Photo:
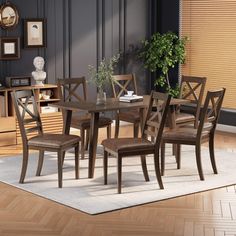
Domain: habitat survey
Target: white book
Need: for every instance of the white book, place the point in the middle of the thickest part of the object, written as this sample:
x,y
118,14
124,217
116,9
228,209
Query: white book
x,y
133,98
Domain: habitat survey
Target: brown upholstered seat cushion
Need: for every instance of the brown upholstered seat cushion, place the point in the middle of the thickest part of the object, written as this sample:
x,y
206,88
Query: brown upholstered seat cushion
x,y
83,121
127,144
183,134
53,140
182,117
131,116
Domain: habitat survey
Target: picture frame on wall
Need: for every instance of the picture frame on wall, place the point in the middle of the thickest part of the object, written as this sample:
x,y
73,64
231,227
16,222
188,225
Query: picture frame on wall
x,y
9,48
34,33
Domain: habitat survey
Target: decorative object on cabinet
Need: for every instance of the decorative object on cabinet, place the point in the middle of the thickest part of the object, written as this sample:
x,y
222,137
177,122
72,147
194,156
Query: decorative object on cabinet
x,y
39,74
34,33
17,81
9,48
9,16
9,127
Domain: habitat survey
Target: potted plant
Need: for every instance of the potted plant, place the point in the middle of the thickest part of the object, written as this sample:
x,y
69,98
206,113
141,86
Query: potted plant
x,y
161,53
102,75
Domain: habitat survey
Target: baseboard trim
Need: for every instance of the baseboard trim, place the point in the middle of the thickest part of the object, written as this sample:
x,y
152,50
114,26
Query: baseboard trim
x,y
226,128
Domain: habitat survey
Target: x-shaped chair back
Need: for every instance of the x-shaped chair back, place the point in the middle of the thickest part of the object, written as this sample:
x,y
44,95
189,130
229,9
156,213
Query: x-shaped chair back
x,y
192,88
211,110
27,113
156,116
122,83
70,87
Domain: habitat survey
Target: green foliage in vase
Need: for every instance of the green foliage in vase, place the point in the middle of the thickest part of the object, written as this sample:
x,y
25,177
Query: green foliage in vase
x,y
161,53
102,75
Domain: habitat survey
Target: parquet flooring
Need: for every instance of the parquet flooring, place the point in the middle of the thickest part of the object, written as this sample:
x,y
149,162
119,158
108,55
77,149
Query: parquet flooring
x,y
211,213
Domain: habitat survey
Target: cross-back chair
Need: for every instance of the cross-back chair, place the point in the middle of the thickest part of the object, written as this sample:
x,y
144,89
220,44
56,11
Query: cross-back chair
x,y
190,136
149,143
120,85
69,91
191,88
30,123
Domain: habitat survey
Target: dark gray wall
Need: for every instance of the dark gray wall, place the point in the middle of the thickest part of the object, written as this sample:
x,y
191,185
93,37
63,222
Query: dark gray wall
x,y
79,33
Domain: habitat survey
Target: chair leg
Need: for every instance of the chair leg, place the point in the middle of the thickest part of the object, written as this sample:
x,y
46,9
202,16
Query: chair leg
x,y
40,162
136,130
77,161
157,169
105,160
59,167
198,160
163,148
212,154
119,172
117,127
109,131
178,155
87,139
82,135
144,167
24,164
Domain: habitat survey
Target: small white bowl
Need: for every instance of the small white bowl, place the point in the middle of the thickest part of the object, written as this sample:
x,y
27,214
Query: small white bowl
x,y
130,93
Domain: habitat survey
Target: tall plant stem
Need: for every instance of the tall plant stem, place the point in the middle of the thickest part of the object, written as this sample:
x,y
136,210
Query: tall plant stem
x,y
167,80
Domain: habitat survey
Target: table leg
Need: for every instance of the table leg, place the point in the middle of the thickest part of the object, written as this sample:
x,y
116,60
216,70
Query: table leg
x,y
93,138
67,121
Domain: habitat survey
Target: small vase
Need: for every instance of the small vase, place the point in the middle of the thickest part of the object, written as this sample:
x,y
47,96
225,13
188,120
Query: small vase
x,y
101,97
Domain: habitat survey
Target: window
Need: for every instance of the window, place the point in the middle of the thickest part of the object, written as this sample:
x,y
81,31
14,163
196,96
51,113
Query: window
x,y
211,50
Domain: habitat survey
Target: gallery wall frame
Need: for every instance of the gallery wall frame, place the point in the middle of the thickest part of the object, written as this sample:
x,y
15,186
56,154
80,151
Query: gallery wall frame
x,y
34,33
9,48
9,16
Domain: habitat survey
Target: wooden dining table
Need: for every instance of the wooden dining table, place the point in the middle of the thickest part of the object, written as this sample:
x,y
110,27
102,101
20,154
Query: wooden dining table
x,y
111,104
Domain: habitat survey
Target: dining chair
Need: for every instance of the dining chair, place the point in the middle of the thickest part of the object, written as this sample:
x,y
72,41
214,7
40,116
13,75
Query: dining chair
x,y
205,132
120,85
191,88
148,143
30,124
74,89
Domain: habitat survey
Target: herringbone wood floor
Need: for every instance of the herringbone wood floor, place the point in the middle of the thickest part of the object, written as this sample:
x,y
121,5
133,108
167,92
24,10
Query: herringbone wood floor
x,y
211,213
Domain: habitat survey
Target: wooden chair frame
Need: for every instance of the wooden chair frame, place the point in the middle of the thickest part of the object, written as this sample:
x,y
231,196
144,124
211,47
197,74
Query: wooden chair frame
x,y
195,90
141,146
68,92
120,85
30,122
205,132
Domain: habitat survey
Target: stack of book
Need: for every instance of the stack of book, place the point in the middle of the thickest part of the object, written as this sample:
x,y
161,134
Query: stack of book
x,y
133,98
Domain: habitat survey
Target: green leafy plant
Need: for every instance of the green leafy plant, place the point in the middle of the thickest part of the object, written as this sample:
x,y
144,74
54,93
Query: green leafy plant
x,y
102,75
161,53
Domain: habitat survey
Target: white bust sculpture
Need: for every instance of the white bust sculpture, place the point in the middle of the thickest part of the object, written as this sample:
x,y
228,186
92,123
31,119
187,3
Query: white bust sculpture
x,y
39,74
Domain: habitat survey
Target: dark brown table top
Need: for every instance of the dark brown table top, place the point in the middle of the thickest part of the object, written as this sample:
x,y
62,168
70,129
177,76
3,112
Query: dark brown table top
x,y
110,105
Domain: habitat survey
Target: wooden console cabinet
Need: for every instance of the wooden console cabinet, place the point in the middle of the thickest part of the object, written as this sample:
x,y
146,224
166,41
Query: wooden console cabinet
x,y
51,118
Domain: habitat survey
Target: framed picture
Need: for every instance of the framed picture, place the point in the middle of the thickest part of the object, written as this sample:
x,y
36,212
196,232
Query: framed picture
x,y
34,33
9,48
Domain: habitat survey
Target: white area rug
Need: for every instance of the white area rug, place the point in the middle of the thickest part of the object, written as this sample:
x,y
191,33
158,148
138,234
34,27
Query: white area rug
x,y
91,196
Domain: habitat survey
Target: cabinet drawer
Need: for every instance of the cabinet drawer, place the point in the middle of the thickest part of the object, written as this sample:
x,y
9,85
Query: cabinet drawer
x,y
7,138
7,124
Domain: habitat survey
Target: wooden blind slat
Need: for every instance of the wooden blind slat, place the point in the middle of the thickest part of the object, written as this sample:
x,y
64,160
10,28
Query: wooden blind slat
x,y
211,50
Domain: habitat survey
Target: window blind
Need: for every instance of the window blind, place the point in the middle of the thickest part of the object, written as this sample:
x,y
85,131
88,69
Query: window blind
x,y
210,26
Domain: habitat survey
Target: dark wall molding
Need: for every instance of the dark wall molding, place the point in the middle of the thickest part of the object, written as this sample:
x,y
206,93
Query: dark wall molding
x,y
80,33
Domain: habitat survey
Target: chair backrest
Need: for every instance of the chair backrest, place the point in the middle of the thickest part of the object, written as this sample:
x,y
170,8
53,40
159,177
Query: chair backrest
x,y
27,113
192,88
210,111
156,116
122,83
68,89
